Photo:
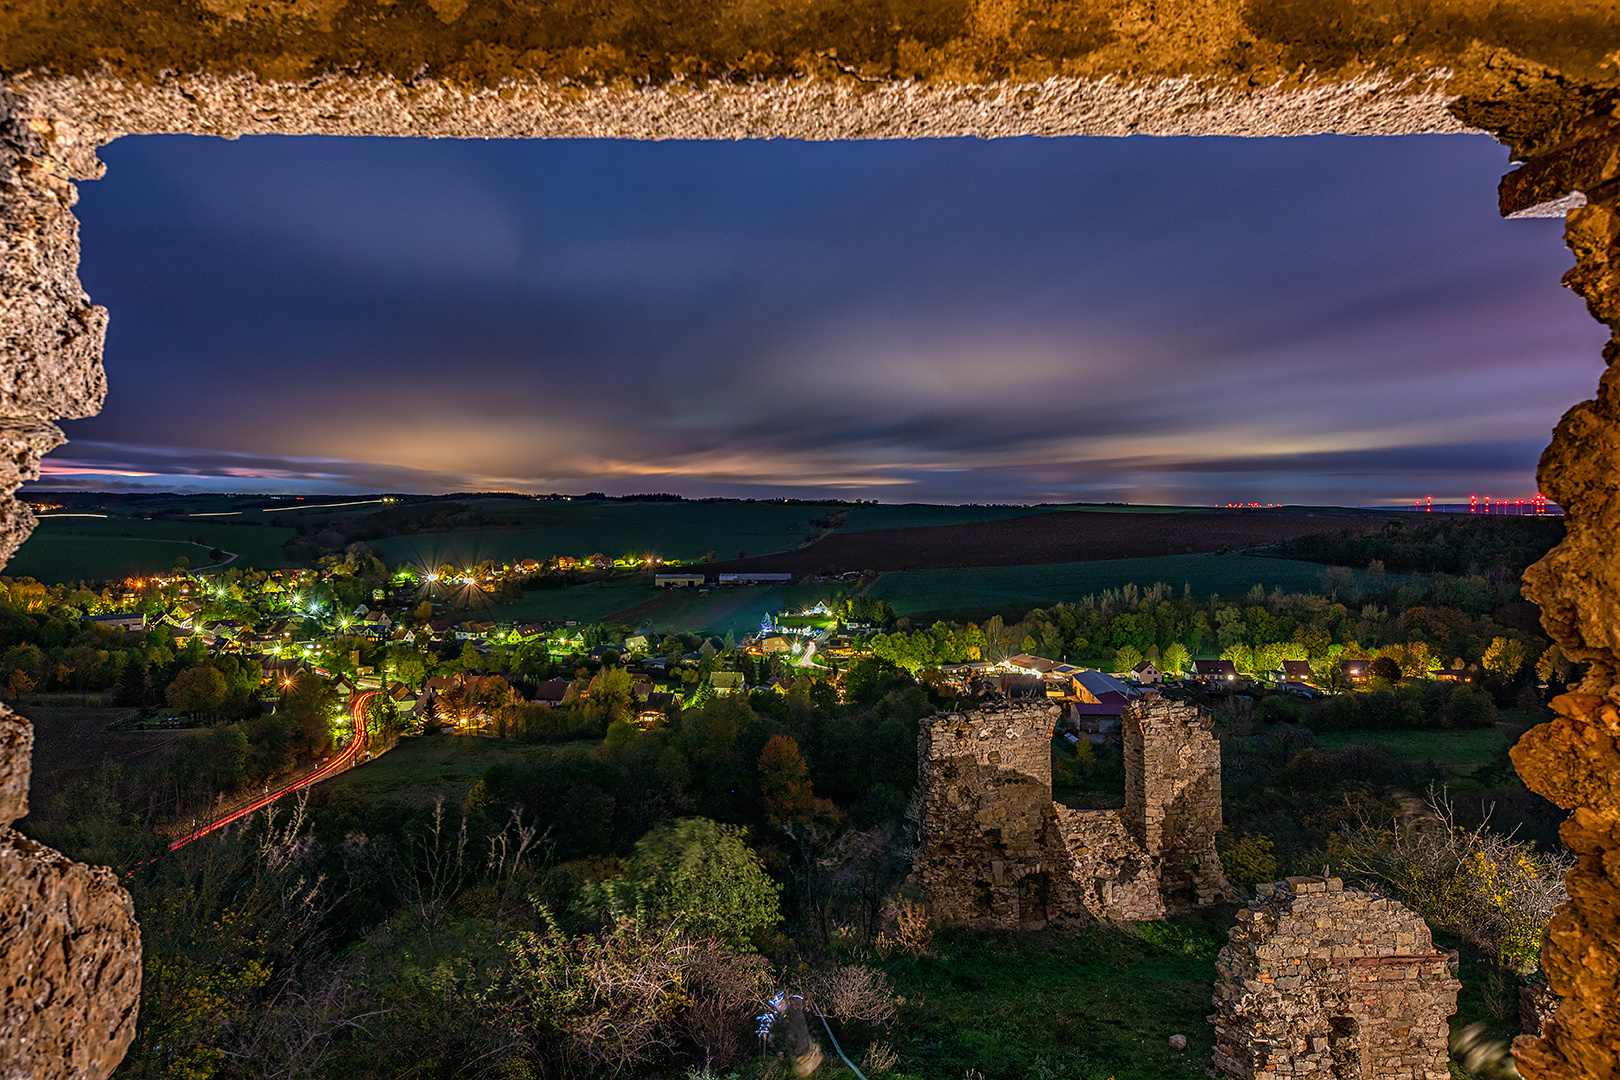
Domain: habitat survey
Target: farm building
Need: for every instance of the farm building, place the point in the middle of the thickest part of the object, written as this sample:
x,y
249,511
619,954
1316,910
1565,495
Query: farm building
x,y
131,622
677,581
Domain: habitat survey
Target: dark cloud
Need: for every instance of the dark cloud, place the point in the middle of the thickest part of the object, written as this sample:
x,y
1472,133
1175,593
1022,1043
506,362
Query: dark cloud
x,y
1199,320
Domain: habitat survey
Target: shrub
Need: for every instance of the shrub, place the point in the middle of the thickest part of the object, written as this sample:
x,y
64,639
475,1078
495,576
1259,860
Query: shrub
x,y
610,1004
1248,860
695,875
1492,891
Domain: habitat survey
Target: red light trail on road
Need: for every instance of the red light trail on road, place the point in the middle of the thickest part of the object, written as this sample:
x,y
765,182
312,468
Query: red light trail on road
x,y
357,709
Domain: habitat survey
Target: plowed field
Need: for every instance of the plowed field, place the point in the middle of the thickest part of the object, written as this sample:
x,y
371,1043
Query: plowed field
x,y
1070,536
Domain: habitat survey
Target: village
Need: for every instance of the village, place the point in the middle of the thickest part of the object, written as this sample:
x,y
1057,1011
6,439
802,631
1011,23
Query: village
x,y
430,641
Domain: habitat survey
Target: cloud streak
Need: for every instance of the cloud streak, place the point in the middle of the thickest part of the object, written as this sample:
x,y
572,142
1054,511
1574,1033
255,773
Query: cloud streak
x,y
1317,320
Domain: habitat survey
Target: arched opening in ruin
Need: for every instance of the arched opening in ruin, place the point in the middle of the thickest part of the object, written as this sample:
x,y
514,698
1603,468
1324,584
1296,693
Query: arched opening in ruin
x,y
1344,1047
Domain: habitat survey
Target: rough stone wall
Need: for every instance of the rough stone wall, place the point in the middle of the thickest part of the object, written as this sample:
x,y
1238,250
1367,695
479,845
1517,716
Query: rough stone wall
x,y
1571,151
1326,982
995,850
70,951
1173,799
1113,878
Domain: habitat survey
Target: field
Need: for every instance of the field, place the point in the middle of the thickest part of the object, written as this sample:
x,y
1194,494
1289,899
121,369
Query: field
x,y
102,549
634,602
979,592
683,530
1459,753
421,769
1064,536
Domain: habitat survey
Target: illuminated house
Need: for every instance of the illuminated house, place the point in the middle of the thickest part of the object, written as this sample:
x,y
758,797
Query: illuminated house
x,y
1294,671
1213,672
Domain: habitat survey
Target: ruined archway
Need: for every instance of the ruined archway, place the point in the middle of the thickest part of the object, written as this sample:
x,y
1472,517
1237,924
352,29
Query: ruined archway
x,y
1541,75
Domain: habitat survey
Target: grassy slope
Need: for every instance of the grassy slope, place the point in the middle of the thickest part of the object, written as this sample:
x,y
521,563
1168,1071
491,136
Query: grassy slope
x,y
1089,1003
421,769
71,549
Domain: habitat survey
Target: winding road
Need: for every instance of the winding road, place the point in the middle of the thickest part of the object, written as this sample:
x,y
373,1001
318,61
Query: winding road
x,y
349,755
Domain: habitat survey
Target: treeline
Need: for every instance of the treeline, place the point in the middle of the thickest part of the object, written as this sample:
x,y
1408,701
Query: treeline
x,y
1450,545
1419,626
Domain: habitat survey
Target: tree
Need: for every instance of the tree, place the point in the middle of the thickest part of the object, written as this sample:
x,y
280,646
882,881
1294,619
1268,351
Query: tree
x,y
695,875
785,792
1386,668
1242,657
1126,658
1176,658
198,690
1552,665
1504,657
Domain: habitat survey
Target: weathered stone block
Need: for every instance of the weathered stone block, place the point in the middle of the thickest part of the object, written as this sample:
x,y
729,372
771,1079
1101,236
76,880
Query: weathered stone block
x,y
71,952
16,744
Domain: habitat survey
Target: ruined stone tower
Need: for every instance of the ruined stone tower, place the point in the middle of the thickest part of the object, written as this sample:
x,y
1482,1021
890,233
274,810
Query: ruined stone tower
x,y
1330,983
1173,799
995,850
988,827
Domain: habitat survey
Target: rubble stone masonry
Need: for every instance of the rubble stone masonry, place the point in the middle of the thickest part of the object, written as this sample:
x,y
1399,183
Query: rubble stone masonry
x,y
1326,982
996,850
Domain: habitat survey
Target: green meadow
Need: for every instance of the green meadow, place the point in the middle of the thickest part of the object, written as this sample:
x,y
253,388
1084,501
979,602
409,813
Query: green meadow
x,y
100,549
635,602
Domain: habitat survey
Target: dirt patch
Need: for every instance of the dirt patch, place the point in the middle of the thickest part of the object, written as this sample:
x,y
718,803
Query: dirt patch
x,y
1076,536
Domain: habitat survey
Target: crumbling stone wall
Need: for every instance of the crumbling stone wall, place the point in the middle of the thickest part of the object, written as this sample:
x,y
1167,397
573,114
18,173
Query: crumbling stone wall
x,y
1326,982
995,850
1173,799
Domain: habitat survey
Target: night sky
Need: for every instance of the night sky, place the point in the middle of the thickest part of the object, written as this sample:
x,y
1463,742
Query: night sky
x,y
1322,320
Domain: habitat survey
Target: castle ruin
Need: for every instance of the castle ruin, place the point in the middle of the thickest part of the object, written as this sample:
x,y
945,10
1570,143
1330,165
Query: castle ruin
x,y
995,850
1330,983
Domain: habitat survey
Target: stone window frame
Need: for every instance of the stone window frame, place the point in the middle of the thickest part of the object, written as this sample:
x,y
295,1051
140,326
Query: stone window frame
x,y
1542,82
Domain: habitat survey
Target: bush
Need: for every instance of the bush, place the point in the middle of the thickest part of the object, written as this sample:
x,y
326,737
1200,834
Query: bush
x,y
1492,891
1469,707
695,875
612,1004
1248,860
